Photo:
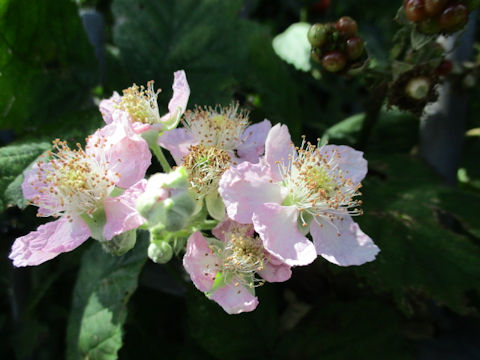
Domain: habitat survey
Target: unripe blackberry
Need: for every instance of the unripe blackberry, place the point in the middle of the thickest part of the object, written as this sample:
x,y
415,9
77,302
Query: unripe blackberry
x,y
317,35
354,48
444,68
346,26
414,10
435,7
334,61
454,17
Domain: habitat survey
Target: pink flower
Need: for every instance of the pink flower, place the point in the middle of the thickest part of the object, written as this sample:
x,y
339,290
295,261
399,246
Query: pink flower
x,y
141,106
295,191
74,185
211,140
225,268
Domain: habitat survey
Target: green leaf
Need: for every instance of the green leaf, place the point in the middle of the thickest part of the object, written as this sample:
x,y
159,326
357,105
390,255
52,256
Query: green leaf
x,y
205,38
337,329
14,159
292,46
465,205
420,258
105,284
43,76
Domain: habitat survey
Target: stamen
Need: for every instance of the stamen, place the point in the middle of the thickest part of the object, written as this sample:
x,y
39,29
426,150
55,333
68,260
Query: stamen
x,y
141,103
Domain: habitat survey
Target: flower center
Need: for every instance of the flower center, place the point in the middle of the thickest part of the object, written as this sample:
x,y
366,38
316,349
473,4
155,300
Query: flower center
x,y
141,103
243,256
316,184
205,166
71,182
222,127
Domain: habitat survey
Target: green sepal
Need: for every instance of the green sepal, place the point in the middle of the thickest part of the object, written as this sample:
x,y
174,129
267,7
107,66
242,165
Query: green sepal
x,y
116,192
96,222
215,206
307,218
120,244
221,280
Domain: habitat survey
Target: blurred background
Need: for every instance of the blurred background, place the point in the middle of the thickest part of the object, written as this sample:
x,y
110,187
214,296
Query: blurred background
x,y
418,300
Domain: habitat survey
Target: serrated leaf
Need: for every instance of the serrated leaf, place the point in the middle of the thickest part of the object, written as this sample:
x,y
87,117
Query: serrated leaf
x,y
104,285
14,159
465,205
292,46
157,38
420,258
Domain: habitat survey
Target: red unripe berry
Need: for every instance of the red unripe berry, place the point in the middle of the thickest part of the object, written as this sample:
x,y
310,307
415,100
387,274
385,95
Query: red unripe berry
x,y
435,7
321,6
334,61
444,68
346,26
454,17
354,48
414,10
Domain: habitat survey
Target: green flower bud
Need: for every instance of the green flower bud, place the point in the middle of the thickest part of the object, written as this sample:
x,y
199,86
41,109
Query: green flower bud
x,y
166,201
160,252
120,244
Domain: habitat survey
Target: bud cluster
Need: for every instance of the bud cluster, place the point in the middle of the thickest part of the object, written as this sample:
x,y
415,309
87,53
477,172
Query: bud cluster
x,y
337,46
437,16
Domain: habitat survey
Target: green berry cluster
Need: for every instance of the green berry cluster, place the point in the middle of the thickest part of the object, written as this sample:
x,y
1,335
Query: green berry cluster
x,y
436,16
336,46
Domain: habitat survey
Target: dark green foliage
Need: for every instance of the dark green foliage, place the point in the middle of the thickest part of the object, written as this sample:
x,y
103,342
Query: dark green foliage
x,y
99,308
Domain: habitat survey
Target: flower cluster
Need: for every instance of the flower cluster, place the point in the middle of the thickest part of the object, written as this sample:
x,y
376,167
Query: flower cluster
x,y
243,203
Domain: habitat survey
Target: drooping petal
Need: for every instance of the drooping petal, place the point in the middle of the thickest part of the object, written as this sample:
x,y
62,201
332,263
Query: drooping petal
x,y
121,212
179,100
244,188
108,106
235,299
278,147
178,142
200,262
342,242
126,152
350,161
253,141
275,270
277,226
229,226
48,241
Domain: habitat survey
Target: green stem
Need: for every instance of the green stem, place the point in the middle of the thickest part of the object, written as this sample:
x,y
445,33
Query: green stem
x,y
157,151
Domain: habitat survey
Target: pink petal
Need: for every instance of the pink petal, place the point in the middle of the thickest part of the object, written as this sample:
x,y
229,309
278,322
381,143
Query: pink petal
x,y
351,161
253,141
121,212
275,270
229,226
48,241
246,187
277,226
235,299
48,204
278,147
200,262
126,152
181,93
178,142
107,107
352,247
139,127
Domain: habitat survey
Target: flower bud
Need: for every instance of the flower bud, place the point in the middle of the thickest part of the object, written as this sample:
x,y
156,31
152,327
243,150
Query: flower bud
x,y
160,252
166,201
418,88
120,244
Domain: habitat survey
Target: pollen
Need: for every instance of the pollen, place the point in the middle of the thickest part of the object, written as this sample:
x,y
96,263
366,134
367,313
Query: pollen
x,y
221,127
141,103
205,166
70,182
316,184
